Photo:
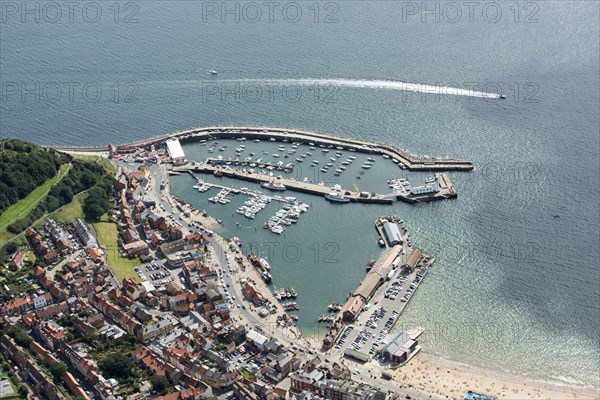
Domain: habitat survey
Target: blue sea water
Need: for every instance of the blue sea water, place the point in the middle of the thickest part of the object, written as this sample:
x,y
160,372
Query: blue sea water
x,y
516,283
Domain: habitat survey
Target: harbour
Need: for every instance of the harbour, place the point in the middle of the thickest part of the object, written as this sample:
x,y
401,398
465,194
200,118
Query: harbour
x,y
388,286
496,239
274,177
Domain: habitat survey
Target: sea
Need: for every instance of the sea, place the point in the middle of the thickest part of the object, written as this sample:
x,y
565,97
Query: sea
x,y
516,284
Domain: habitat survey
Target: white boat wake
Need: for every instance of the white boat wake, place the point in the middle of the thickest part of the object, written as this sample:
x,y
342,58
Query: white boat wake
x,y
371,84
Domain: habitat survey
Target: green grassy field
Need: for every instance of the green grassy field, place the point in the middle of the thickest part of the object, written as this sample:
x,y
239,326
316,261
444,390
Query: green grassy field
x,y
107,237
69,212
23,206
105,163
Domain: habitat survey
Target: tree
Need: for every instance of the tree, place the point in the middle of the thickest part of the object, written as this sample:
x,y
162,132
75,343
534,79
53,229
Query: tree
x,y
40,359
116,365
159,383
11,247
93,210
96,204
22,389
57,369
19,333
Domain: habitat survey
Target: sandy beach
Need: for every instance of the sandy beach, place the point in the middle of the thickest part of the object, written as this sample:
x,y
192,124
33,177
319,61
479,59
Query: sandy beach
x,y
453,380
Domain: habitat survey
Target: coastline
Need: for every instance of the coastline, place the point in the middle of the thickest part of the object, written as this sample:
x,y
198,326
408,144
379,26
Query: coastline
x,y
453,379
443,377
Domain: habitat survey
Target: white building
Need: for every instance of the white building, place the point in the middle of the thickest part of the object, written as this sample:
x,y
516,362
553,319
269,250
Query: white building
x,y
434,188
392,232
175,151
258,339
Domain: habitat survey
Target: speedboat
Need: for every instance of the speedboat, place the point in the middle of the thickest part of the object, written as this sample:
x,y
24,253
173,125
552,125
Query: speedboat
x,y
212,72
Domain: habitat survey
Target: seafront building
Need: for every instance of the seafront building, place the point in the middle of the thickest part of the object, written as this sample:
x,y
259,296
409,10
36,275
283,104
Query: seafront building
x,y
177,317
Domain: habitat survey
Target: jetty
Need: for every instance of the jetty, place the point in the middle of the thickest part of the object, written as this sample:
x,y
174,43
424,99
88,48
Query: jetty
x,y
292,184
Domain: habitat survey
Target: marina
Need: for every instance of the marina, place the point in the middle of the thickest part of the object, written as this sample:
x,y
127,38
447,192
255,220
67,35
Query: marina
x,y
276,175
289,183
264,173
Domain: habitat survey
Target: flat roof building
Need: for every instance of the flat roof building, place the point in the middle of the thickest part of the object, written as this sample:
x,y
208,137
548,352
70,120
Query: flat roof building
x,y
175,150
392,233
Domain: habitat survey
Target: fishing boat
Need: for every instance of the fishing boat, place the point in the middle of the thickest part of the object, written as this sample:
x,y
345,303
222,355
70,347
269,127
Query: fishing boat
x,y
336,198
265,264
260,267
274,186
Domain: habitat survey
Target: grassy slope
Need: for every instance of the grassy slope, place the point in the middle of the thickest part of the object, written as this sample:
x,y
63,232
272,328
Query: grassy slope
x,y
107,237
23,206
69,212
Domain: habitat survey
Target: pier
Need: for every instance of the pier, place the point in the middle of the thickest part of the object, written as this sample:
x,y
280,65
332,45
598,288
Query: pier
x,y
287,167
291,184
400,264
412,162
446,191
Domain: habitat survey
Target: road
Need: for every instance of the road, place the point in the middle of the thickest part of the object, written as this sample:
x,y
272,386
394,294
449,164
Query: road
x,y
230,273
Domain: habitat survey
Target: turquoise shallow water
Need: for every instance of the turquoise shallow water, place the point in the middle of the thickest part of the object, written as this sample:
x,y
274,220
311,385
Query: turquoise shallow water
x,y
513,288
